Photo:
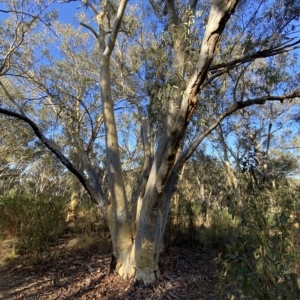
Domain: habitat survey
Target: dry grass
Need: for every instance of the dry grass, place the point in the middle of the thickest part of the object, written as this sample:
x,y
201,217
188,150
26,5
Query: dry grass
x,y
8,252
87,243
78,242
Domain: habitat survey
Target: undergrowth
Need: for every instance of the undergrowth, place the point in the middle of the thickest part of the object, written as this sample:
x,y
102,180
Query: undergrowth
x,y
32,224
256,239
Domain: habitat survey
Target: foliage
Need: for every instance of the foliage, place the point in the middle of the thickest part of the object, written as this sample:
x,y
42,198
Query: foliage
x,y
182,224
254,230
264,260
35,223
89,231
89,220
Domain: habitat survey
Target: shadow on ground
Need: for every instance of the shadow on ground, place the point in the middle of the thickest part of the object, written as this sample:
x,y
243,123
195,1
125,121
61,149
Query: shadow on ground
x,y
186,274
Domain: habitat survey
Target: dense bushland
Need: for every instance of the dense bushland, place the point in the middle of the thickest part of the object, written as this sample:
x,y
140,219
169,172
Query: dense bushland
x,y
31,224
255,238
256,241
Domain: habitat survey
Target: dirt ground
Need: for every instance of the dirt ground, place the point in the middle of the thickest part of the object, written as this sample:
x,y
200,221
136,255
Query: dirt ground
x,y
185,274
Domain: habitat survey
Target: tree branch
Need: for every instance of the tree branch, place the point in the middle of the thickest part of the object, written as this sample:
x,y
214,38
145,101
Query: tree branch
x,y
172,13
98,199
173,178
170,142
11,99
116,27
34,17
259,54
192,5
90,28
236,106
94,134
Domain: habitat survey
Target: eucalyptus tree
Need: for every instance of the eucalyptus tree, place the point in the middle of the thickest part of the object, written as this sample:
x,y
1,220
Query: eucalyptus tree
x,y
14,154
176,67
69,83
249,141
16,43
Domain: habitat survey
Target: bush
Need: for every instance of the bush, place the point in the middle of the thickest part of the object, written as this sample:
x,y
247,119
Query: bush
x,y
222,229
263,262
183,221
89,220
193,222
35,223
90,229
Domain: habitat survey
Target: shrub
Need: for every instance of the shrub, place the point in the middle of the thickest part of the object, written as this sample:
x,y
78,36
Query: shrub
x,y
36,223
89,220
263,262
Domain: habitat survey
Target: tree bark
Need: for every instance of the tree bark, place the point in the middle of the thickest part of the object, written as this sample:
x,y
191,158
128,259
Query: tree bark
x,y
138,256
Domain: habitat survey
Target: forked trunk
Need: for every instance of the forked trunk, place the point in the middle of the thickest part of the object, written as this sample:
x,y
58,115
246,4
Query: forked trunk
x,y
136,255
137,239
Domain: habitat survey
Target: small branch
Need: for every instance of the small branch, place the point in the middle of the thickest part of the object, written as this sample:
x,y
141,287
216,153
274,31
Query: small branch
x,y
214,76
259,54
34,17
291,148
20,36
116,27
46,142
11,99
94,134
86,110
90,28
192,5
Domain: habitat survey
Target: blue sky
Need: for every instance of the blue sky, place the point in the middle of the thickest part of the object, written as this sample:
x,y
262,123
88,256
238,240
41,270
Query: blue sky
x,y
67,11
